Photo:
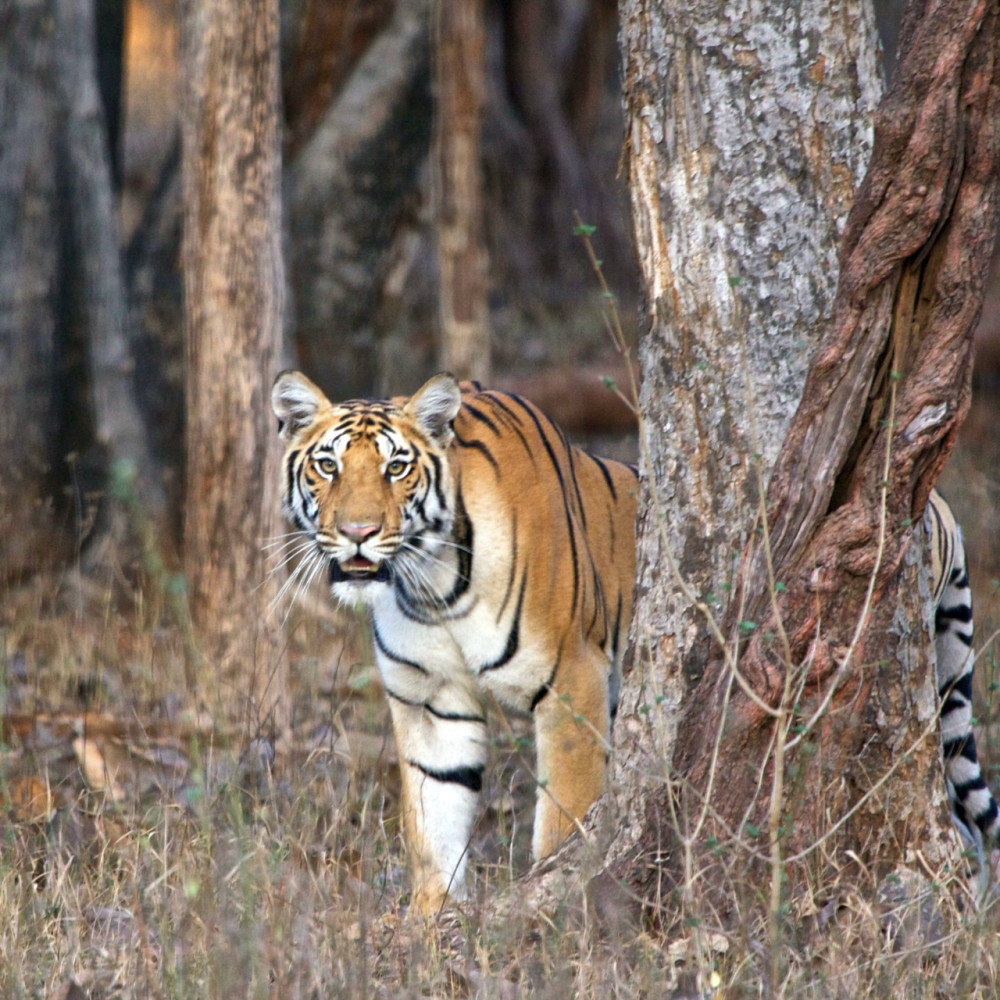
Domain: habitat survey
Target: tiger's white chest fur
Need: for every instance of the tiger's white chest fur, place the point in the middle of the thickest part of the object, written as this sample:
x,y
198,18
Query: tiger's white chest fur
x,y
484,634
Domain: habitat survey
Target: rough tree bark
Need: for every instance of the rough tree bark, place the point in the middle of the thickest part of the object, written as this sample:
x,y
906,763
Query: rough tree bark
x,y
891,377
746,138
234,291
457,190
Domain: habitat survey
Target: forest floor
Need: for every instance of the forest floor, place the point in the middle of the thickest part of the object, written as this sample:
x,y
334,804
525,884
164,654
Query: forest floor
x,y
153,846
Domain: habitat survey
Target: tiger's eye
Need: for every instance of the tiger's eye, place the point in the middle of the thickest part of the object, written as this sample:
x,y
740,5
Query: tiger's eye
x,y
327,466
396,467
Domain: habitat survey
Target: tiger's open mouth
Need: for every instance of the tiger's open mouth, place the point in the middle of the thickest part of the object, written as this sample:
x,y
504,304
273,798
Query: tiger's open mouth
x,y
358,569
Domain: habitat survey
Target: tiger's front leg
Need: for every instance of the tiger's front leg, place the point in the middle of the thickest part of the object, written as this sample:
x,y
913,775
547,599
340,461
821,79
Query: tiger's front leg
x,y
441,739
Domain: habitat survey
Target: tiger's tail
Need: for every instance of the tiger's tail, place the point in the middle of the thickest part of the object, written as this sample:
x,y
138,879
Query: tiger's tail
x,y
972,804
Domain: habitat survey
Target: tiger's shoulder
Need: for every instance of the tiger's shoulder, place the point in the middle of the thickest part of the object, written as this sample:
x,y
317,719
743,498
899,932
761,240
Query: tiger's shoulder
x,y
519,446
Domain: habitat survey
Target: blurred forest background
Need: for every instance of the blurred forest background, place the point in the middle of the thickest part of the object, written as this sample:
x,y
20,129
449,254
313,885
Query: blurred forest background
x,y
361,223
99,701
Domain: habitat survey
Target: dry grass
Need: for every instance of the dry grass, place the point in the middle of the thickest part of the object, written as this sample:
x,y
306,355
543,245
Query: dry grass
x,y
150,848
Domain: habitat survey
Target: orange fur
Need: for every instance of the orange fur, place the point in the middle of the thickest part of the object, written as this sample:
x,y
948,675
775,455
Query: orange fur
x,y
502,559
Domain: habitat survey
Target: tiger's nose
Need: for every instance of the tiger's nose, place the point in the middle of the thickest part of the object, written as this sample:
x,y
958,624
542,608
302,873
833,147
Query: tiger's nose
x,y
357,533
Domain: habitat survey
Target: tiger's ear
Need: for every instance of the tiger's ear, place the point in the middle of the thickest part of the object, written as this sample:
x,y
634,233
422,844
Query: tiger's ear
x,y
295,401
434,406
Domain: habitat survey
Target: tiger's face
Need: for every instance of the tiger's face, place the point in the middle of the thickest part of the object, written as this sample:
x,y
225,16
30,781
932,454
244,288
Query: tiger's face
x,y
368,482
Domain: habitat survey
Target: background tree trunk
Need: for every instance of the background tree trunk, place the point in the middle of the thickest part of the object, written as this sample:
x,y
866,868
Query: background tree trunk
x,y
891,377
462,263
349,188
31,534
119,430
65,368
234,290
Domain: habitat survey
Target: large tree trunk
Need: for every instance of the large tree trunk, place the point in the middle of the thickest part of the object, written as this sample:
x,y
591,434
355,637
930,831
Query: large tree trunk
x,y
796,743
745,141
462,282
884,398
234,291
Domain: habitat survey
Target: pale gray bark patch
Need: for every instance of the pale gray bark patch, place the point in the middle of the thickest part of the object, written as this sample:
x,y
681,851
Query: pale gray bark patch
x,y
760,117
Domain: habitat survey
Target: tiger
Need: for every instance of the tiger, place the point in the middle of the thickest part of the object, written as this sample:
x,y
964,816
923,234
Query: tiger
x,y
973,807
495,559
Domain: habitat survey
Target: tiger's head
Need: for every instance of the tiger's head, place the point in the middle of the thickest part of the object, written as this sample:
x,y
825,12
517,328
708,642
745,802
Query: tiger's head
x,y
368,482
